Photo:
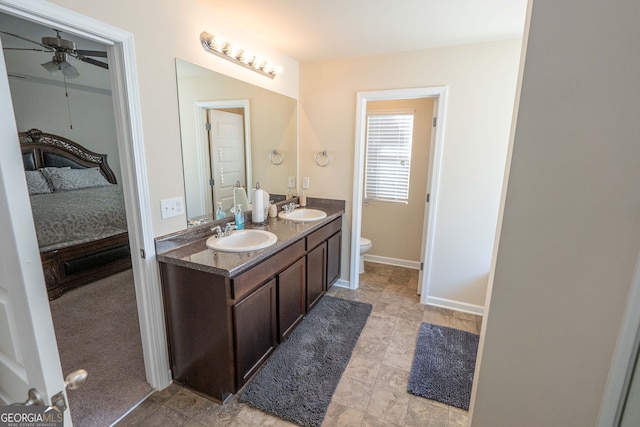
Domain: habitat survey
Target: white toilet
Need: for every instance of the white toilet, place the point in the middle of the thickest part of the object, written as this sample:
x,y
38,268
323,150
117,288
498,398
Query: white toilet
x,y
365,245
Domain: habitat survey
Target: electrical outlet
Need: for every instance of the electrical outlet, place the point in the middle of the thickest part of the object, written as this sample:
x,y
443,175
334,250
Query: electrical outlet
x,y
172,207
305,183
292,182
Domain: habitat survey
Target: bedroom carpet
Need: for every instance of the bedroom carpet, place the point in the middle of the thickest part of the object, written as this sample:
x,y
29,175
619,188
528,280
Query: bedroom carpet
x,y
298,381
443,365
97,329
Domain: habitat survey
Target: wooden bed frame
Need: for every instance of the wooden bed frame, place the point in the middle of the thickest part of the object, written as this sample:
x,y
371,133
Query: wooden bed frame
x,y
77,265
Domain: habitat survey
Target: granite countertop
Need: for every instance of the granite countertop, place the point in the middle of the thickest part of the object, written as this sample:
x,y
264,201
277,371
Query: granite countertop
x,y
188,248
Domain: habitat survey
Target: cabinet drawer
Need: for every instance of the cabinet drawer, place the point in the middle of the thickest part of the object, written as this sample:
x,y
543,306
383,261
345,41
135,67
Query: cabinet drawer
x,y
317,237
249,280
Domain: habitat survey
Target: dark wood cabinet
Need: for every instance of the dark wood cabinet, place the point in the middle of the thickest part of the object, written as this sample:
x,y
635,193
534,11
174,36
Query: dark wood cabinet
x,y
291,298
221,329
316,274
199,331
334,252
255,330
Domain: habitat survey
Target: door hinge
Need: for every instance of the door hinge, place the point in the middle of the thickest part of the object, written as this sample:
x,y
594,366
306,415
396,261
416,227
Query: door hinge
x,y
143,255
422,266
428,197
207,126
212,182
435,121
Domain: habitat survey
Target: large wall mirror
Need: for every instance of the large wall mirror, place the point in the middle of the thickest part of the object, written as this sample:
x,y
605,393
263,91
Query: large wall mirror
x,y
232,131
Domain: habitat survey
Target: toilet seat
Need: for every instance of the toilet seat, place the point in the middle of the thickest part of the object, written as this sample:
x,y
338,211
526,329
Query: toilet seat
x,y
364,241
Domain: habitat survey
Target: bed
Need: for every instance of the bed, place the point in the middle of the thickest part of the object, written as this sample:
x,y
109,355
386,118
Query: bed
x,y
78,211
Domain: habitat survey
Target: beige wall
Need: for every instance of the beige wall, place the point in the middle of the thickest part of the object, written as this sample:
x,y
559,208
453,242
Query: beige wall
x,y
163,31
481,79
396,228
570,234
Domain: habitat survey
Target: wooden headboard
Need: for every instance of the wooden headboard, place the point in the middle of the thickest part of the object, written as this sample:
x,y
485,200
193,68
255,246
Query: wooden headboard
x,y
41,150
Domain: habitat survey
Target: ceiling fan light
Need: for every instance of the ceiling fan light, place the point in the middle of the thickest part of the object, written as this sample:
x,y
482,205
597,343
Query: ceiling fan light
x,y
51,67
68,70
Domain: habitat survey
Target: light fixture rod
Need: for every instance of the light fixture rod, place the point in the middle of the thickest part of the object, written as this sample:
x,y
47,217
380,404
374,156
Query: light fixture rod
x,y
207,41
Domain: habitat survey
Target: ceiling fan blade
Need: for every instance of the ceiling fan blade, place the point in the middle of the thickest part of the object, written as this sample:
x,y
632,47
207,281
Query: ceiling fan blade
x,y
26,39
26,48
94,62
97,53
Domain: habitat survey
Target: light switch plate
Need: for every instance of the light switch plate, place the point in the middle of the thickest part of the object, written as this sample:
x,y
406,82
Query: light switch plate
x,y
305,183
292,181
172,207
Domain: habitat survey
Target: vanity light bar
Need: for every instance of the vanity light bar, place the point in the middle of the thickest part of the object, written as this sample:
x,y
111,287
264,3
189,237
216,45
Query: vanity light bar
x,y
218,46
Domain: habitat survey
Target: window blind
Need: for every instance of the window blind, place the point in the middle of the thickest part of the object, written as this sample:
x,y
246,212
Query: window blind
x,y
388,155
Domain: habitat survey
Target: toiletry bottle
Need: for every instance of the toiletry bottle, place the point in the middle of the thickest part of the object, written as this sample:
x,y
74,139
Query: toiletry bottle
x,y
289,193
220,211
273,209
303,199
239,218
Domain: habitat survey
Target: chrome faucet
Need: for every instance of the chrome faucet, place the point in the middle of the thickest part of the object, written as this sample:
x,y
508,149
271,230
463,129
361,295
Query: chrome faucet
x,y
220,232
289,207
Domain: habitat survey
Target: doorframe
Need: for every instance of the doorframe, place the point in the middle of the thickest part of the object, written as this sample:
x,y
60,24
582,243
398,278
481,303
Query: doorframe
x,y
128,119
623,360
433,175
202,140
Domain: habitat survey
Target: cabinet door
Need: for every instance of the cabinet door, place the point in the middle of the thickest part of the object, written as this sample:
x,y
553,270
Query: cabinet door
x,y
255,320
316,274
291,298
334,248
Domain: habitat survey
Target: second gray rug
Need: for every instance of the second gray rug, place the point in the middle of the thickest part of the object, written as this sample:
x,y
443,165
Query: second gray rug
x,y
443,365
298,381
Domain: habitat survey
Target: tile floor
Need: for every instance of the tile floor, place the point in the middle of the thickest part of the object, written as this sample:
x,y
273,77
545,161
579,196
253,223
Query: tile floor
x,y
372,391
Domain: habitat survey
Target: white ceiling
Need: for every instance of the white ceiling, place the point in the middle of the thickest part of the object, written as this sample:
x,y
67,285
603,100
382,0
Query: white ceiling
x,y
311,30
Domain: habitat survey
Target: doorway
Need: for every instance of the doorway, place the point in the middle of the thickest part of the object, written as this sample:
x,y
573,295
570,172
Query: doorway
x,y
203,201
439,95
121,54
84,318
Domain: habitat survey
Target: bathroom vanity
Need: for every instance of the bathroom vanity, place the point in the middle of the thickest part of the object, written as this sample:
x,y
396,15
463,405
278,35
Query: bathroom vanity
x,y
227,312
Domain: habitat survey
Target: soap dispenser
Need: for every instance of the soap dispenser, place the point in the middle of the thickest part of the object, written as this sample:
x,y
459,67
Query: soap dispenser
x,y
219,211
237,211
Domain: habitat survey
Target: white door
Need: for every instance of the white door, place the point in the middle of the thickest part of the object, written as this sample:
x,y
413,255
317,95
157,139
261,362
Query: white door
x,y
28,350
226,148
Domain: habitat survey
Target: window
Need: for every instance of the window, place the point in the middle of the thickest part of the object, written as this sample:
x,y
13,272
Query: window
x,y
388,155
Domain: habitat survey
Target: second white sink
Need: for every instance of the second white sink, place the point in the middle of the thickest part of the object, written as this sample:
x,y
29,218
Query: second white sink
x,y
303,215
242,241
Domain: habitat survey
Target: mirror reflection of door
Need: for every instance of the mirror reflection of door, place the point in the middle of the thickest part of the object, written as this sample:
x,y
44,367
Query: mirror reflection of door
x,y
226,148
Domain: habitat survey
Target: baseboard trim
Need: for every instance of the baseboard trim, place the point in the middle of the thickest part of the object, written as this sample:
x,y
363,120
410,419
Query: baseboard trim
x,y
456,305
392,261
341,283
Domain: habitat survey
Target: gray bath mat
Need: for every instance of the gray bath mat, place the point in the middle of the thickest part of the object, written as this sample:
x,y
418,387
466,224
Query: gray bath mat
x,y
297,382
443,365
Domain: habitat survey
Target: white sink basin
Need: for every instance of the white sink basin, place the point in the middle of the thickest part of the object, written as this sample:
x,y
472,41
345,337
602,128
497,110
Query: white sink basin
x,y
303,215
242,241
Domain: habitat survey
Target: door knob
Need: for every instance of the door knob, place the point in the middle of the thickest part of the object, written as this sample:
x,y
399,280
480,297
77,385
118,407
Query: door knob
x,y
75,379
34,399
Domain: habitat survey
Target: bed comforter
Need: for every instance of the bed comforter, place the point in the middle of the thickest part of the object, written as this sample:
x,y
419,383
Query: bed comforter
x,y
67,218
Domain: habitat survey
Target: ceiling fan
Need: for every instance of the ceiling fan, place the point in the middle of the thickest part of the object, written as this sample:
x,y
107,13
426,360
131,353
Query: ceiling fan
x,y
62,49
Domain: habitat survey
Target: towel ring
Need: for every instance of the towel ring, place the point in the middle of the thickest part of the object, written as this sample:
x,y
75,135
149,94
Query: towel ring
x,y
322,158
276,157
